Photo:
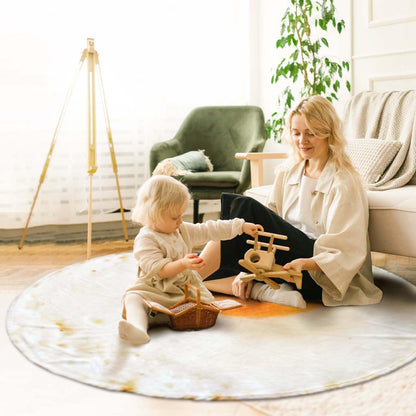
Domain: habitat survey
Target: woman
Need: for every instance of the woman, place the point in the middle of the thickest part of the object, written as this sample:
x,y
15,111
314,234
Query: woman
x,y
318,201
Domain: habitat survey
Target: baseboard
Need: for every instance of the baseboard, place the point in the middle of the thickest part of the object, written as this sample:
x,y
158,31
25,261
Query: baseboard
x,y
70,233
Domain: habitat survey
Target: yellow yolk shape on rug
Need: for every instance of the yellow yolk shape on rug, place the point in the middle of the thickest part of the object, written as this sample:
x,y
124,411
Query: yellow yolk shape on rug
x,y
255,309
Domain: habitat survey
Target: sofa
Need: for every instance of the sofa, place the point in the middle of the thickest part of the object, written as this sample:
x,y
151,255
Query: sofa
x,y
392,222
381,132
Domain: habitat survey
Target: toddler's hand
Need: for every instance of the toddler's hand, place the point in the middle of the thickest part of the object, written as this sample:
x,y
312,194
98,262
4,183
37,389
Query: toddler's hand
x,y
193,261
250,228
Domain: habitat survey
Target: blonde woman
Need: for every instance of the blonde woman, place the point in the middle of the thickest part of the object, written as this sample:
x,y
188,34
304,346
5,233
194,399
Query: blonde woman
x,y
318,201
163,250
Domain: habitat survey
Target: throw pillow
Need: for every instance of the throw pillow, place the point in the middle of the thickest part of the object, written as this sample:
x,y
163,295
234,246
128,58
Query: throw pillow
x,y
193,161
371,157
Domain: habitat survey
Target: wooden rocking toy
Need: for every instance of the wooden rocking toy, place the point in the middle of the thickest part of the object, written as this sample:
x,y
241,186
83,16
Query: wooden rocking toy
x,y
191,313
262,263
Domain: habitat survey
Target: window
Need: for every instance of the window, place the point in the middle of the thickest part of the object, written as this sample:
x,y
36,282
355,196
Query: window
x,y
159,59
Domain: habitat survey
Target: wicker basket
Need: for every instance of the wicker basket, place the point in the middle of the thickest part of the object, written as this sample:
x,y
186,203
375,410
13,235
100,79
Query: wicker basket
x,y
191,313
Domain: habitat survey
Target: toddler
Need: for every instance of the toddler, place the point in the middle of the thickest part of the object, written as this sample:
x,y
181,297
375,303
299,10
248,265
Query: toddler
x,y
163,250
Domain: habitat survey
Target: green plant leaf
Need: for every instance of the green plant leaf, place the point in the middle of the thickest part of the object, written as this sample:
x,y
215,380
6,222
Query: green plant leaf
x,y
296,55
303,32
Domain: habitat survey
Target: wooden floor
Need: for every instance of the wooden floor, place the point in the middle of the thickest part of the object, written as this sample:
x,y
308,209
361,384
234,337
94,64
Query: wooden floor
x,y
402,266
20,268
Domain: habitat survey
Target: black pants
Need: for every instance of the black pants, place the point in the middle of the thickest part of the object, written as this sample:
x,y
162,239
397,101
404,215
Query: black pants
x,y
301,246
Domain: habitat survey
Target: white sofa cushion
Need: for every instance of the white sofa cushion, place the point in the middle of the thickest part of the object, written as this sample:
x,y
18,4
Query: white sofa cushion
x,y
402,199
260,193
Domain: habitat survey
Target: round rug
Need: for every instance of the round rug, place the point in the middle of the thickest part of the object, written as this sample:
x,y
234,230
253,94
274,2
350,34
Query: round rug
x,y
67,323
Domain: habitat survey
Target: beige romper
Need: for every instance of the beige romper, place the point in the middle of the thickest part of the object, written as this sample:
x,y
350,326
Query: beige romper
x,y
153,250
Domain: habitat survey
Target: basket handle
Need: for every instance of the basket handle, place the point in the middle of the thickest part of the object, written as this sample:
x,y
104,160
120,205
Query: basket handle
x,y
196,290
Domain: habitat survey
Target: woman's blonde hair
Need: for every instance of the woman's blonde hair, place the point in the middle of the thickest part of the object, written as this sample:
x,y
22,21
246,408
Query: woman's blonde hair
x,y
159,195
323,121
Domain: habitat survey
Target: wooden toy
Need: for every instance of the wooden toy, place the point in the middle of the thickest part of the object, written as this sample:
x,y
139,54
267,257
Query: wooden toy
x,y
262,264
191,313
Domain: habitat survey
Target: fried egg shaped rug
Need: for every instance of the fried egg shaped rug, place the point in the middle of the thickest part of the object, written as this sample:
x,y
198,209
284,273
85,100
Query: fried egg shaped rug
x,y
67,323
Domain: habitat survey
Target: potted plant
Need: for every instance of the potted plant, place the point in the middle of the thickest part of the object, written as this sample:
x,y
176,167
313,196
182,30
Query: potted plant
x,y
304,64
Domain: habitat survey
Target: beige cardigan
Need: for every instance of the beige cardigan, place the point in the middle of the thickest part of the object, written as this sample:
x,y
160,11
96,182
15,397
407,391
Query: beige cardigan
x,y
342,249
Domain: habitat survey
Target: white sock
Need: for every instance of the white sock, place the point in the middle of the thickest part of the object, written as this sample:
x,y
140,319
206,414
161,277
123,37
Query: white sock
x,y
131,333
286,295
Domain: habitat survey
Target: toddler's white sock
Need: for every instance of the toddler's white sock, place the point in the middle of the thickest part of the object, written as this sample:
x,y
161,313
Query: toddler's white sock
x,y
131,333
286,295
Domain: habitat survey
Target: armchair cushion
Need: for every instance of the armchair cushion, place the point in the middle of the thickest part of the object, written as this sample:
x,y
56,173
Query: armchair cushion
x,y
193,161
371,157
217,179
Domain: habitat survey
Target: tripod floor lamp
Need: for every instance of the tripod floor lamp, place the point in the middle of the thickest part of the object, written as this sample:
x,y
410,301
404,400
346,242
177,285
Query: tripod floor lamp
x,y
94,72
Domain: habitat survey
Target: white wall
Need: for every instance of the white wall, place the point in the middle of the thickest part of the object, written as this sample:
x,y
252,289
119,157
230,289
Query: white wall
x,y
383,50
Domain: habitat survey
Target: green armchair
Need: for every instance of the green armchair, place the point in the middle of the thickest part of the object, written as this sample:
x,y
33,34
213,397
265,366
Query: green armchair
x,y
221,132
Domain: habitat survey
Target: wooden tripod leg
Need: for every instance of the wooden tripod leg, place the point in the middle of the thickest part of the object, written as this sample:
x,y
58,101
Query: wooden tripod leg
x,y
92,136
126,236
111,147
52,146
89,220
28,218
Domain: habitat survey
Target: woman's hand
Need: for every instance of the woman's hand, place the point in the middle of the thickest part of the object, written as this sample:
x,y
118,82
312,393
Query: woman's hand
x,y
193,261
302,264
251,229
241,289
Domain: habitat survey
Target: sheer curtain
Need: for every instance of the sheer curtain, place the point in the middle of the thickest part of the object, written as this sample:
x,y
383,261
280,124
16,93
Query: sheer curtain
x,y
159,59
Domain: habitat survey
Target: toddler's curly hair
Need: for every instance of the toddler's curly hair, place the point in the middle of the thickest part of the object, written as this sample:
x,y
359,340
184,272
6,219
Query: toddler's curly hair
x,y
157,196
